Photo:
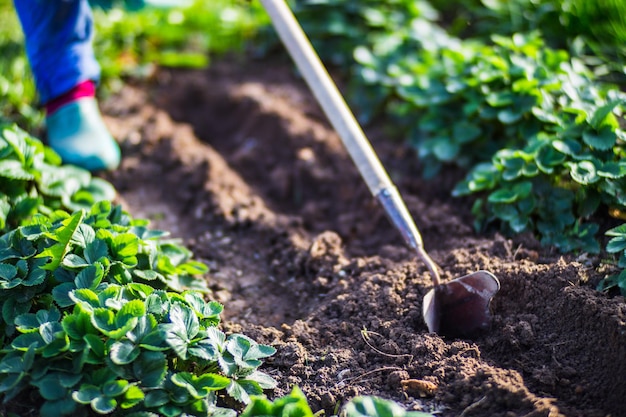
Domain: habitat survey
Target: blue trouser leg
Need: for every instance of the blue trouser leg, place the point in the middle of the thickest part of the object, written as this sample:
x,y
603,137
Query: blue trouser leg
x,y
58,37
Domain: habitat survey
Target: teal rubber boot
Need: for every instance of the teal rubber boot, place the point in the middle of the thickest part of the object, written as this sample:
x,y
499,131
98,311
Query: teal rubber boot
x,y
78,134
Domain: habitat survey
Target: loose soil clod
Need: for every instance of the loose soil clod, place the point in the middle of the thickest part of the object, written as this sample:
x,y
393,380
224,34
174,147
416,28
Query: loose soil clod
x,y
240,163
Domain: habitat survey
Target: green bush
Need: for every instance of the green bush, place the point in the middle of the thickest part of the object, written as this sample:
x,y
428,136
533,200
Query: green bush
x,y
596,29
89,321
32,180
540,136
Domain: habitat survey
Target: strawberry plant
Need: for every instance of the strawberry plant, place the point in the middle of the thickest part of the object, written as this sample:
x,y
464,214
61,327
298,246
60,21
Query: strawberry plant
x,y
295,405
89,322
367,406
541,138
594,30
341,29
617,246
562,157
32,180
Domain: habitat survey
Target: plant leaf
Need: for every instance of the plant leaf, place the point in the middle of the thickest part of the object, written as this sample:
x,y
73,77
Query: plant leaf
x,y
123,352
63,236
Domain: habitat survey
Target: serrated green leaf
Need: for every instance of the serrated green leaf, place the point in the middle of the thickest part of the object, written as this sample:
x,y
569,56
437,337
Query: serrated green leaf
x,y
617,244
11,309
200,386
193,268
567,147
63,236
86,394
617,231
7,271
613,170
601,114
103,405
251,387
133,396
50,331
27,322
125,247
602,139
95,344
90,277
24,341
115,325
124,352
147,275
86,298
547,157
503,195
156,398
50,387
73,261
184,327
96,250
14,170
170,410
131,310
238,392
202,308
264,380
115,388
150,368
376,406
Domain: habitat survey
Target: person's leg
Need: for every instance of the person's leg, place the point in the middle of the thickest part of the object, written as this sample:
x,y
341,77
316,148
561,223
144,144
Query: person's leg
x,y
58,36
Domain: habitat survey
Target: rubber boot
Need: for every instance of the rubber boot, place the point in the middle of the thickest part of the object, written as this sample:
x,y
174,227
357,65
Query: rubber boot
x,y
78,134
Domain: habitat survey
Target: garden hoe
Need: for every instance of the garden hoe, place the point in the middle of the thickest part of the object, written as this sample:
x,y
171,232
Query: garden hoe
x,y
457,308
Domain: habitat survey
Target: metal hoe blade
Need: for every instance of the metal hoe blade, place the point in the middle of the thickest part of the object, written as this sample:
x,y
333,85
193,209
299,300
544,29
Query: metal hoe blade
x,y
461,306
457,308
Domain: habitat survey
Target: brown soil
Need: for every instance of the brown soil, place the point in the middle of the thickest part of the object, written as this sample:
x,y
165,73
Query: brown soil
x,y
240,163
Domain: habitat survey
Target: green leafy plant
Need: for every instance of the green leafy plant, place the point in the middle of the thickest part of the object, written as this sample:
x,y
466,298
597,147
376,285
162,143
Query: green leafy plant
x,y
88,322
342,31
541,138
595,31
563,154
617,246
132,42
295,405
368,406
32,180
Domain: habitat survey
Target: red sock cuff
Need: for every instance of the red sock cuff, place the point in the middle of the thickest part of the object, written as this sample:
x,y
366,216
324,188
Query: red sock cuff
x,y
84,89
